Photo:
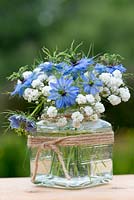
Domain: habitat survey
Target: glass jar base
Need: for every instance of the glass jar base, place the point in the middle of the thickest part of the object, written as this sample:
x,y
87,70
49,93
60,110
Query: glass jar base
x,y
73,183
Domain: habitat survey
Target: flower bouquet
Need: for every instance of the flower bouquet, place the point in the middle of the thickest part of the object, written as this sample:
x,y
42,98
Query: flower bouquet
x,y
71,147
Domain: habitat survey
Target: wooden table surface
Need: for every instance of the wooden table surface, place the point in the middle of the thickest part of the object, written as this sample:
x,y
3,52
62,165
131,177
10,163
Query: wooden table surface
x,y
22,189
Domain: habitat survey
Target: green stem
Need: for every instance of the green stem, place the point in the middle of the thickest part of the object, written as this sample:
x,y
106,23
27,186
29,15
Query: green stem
x,y
37,109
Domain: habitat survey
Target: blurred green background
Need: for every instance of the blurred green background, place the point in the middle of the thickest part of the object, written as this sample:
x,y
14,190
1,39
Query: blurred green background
x,y
27,26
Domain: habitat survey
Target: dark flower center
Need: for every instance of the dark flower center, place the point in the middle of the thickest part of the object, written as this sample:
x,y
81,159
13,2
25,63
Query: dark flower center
x,y
91,83
62,92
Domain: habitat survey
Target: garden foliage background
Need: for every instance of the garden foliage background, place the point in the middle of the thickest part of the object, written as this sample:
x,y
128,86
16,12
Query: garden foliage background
x,y
27,26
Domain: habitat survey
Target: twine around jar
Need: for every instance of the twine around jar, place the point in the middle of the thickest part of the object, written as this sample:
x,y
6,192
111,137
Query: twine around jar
x,y
52,143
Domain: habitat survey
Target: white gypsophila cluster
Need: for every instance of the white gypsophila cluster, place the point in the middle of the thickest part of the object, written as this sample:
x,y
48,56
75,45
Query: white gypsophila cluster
x,y
76,124
114,88
37,84
31,94
81,99
77,118
106,92
99,107
124,94
51,79
105,77
93,107
117,74
62,122
52,112
46,90
88,110
26,74
97,98
90,99
42,77
114,100
115,82
94,117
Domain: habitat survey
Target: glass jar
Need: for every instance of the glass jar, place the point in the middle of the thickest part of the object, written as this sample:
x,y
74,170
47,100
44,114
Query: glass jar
x,y
87,165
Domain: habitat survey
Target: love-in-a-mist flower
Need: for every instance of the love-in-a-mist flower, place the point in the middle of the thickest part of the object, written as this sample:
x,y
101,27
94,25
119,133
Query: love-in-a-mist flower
x,y
79,67
63,92
19,121
21,86
91,84
100,68
46,67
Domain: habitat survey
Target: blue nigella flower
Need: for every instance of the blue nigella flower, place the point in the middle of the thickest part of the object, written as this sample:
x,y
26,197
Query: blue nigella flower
x,y
20,87
91,84
61,67
100,68
116,67
63,93
79,67
30,126
46,67
49,67
110,69
19,121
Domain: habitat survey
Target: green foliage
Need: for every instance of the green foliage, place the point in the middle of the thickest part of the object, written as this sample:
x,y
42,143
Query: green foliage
x,y
70,55
123,152
14,156
18,75
110,59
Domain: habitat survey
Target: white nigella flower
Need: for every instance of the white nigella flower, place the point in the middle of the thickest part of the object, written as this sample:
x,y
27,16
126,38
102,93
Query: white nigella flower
x,y
46,90
124,94
76,123
31,94
37,84
77,116
117,74
62,122
94,117
81,99
42,77
114,100
105,92
52,111
105,77
90,99
88,110
99,107
26,74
